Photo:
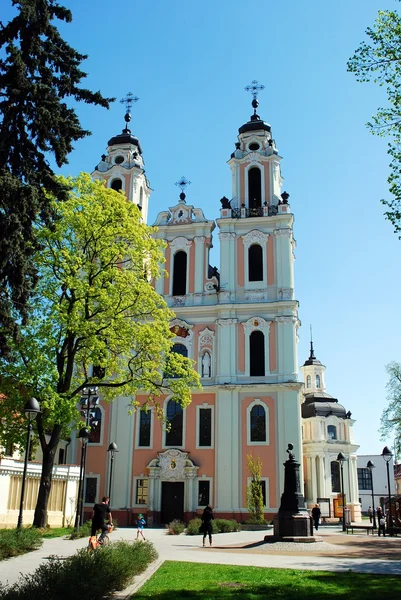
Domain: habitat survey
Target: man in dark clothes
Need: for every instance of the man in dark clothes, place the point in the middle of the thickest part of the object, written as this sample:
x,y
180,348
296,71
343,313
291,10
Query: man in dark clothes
x,y
99,516
316,516
207,526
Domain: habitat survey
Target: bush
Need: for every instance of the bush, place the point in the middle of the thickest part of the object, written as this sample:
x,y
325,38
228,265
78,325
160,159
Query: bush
x,y
175,527
18,541
254,521
89,575
193,526
227,525
82,531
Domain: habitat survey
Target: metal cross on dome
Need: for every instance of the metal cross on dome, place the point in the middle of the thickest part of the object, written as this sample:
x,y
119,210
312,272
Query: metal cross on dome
x,y
129,101
255,87
182,183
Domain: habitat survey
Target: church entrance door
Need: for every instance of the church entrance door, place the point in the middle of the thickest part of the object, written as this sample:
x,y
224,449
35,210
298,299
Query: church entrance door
x,y
172,501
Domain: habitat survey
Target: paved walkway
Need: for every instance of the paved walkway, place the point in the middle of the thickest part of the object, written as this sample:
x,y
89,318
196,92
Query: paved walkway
x,y
337,552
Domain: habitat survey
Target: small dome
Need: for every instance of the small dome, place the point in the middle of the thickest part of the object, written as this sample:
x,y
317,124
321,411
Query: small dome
x,y
125,137
254,125
320,404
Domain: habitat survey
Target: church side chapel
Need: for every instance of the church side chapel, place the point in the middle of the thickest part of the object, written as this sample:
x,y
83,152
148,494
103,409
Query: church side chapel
x,y
238,322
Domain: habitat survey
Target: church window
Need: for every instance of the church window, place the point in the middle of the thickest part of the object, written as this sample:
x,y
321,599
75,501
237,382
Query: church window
x,y
90,490
175,419
204,493
257,354
116,185
335,476
180,273
96,426
180,349
258,424
253,146
254,188
364,479
318,381
141,496
308,381
119,159
332,432
145,421
205,427
255,263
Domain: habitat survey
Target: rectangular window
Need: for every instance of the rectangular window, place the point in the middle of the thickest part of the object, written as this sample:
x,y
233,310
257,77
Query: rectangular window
x,y
141,496
204,493
205,427
144,428
364,479
61,456
90,490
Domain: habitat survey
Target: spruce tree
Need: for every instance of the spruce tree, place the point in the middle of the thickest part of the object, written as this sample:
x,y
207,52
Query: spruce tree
x,y
39,74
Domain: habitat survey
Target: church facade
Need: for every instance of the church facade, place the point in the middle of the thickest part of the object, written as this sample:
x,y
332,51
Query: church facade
x,y
238,323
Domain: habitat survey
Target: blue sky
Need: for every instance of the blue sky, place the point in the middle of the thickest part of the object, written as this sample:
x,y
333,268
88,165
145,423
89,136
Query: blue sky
x,y
189,62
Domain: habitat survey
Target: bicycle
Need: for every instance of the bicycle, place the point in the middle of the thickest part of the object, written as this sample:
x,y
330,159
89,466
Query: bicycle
x,y
94,542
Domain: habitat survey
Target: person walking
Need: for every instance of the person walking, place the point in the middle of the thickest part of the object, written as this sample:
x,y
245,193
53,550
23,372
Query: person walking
x,y
140,522
370,513
99,513
316,512
381,521
207,526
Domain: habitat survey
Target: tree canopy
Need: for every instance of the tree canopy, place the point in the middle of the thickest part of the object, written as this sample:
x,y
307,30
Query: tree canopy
x,y
39,72
94,305
391,417
379,61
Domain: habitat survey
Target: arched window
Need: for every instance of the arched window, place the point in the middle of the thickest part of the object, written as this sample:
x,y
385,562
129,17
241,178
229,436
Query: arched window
x,y
308,381
175,419
258,424
332,432
335,476
318,381
255,263
145,422
180,273
257,353
180,349
254,188
96,426
116,185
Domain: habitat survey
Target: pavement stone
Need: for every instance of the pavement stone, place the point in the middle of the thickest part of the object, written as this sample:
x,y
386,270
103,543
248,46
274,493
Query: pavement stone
x,y
337,552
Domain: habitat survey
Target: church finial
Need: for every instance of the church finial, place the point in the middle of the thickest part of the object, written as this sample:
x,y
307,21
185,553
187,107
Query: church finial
x,y
255,87
182,183
312,354
128,101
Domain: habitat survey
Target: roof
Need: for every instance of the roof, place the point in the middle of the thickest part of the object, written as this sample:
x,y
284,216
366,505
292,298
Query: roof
x,y
320,404
125,137
254,125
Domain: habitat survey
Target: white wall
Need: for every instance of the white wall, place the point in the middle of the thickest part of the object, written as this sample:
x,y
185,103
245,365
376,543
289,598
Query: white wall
x,y
380,486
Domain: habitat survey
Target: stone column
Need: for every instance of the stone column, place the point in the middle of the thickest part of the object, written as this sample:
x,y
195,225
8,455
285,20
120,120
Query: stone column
x,y
199,263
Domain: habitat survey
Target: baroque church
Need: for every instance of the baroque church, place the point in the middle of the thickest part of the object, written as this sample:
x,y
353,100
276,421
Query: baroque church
x,y
239,324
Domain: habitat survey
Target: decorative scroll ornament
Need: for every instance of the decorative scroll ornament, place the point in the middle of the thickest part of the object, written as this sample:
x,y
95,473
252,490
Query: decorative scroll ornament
x,y
226,322
226,236
255,236
180,242
287,232
285,293
172,465
256,323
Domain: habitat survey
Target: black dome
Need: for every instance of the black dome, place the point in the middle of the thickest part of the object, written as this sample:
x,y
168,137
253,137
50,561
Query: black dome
x,y
320,404
254,125
125,137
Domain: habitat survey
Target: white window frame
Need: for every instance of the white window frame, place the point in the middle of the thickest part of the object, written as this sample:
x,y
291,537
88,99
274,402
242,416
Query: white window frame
x,y
179,244
91,476
134,504
318,387
257,402
330,439
210,480
250,239
138,429
267,491
249,327
261,168
199,407
308,382
184,423
206,344
94,445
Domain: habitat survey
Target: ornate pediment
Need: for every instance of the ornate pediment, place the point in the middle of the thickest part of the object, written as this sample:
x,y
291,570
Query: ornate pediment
x,y
172,464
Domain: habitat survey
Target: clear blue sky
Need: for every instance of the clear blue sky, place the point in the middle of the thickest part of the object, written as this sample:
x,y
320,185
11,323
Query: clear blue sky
x,y
189,63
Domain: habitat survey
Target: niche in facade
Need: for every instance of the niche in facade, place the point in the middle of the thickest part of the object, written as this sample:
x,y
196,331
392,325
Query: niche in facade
x,y
180,273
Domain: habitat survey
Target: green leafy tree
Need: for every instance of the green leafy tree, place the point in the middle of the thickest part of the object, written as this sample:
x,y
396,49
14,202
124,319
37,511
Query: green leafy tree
x,y
254,489
94,304
379,61
39,72
391,417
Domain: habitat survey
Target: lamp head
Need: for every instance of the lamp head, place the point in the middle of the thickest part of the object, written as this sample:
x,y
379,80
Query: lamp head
x,y
84,434
341,458
112,448
32,409
387,454
370,465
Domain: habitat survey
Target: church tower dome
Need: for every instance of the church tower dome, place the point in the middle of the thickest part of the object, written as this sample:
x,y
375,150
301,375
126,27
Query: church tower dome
x,y
122,168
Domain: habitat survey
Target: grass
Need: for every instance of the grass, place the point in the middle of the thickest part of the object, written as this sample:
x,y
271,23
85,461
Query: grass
x,y
206,581
55,532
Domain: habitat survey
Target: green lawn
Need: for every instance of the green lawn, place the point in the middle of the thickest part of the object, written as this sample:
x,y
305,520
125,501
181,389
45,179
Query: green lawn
x,y
55,532
177,580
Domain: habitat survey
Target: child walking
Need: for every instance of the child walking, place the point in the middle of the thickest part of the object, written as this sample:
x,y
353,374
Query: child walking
x,y
140,522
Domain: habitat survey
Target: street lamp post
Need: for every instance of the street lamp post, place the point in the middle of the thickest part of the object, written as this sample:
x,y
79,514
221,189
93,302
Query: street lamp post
x,y
112,449
370,466
31,410
387,455
89,401
341,460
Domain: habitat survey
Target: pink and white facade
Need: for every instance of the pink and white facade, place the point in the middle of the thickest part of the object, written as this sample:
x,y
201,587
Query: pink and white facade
x,y
238,323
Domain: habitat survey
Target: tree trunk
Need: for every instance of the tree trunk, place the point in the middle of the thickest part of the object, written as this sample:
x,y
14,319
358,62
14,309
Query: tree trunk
x,y
49,453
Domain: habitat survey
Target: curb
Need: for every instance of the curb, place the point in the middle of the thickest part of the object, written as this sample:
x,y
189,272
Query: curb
x,y
139,581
